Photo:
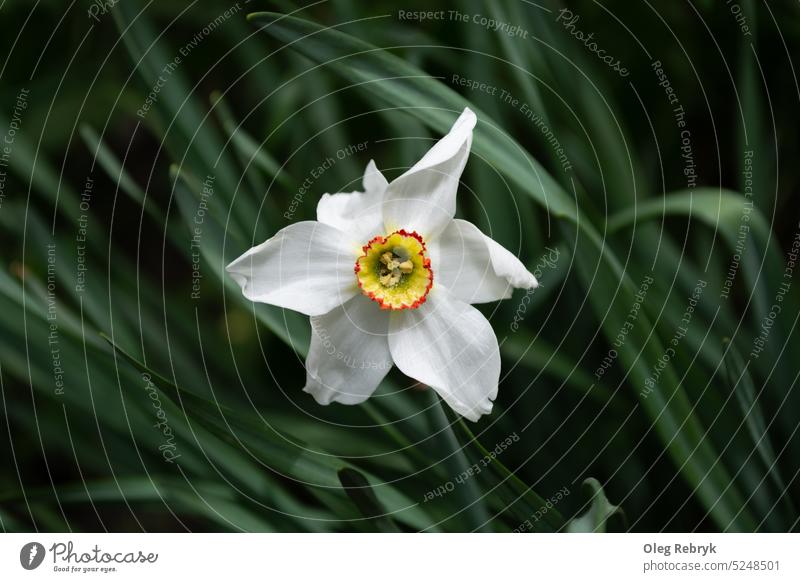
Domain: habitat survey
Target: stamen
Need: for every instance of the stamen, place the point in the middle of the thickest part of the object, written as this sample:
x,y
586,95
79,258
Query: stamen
x,y
394,271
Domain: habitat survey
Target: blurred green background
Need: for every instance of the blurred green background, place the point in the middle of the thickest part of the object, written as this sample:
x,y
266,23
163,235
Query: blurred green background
x,y
650,383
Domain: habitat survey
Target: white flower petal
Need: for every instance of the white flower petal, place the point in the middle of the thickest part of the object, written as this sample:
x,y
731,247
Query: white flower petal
x,y
450,346
373,180
424,198
475,268
307,267
349,353
357,214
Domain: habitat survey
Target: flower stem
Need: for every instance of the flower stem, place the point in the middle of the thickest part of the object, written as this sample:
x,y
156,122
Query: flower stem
x,y
470,499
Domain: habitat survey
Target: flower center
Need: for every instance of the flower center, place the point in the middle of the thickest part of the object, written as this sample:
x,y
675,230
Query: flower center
x,y
395,270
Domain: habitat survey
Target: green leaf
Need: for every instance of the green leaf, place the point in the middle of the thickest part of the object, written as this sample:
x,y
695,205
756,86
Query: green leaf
x,y
516,495
116,172
748,399
363,497
600,512
403,85
668,406
542,357
730,216
283,455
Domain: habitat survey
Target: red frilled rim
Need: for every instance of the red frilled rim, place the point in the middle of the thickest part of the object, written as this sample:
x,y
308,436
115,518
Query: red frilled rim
x,y
426,262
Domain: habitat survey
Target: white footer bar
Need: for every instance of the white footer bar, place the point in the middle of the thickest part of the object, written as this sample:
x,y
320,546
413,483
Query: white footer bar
x,y
400,557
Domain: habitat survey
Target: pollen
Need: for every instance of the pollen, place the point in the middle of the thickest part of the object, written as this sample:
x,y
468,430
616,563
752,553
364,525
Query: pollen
x,y
395,271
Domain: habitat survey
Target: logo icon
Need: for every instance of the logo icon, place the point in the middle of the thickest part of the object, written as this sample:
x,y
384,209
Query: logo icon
x,y
31,555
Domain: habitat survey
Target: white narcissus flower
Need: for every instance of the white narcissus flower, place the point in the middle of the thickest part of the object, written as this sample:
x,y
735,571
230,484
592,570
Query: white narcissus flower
x,y
387,276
